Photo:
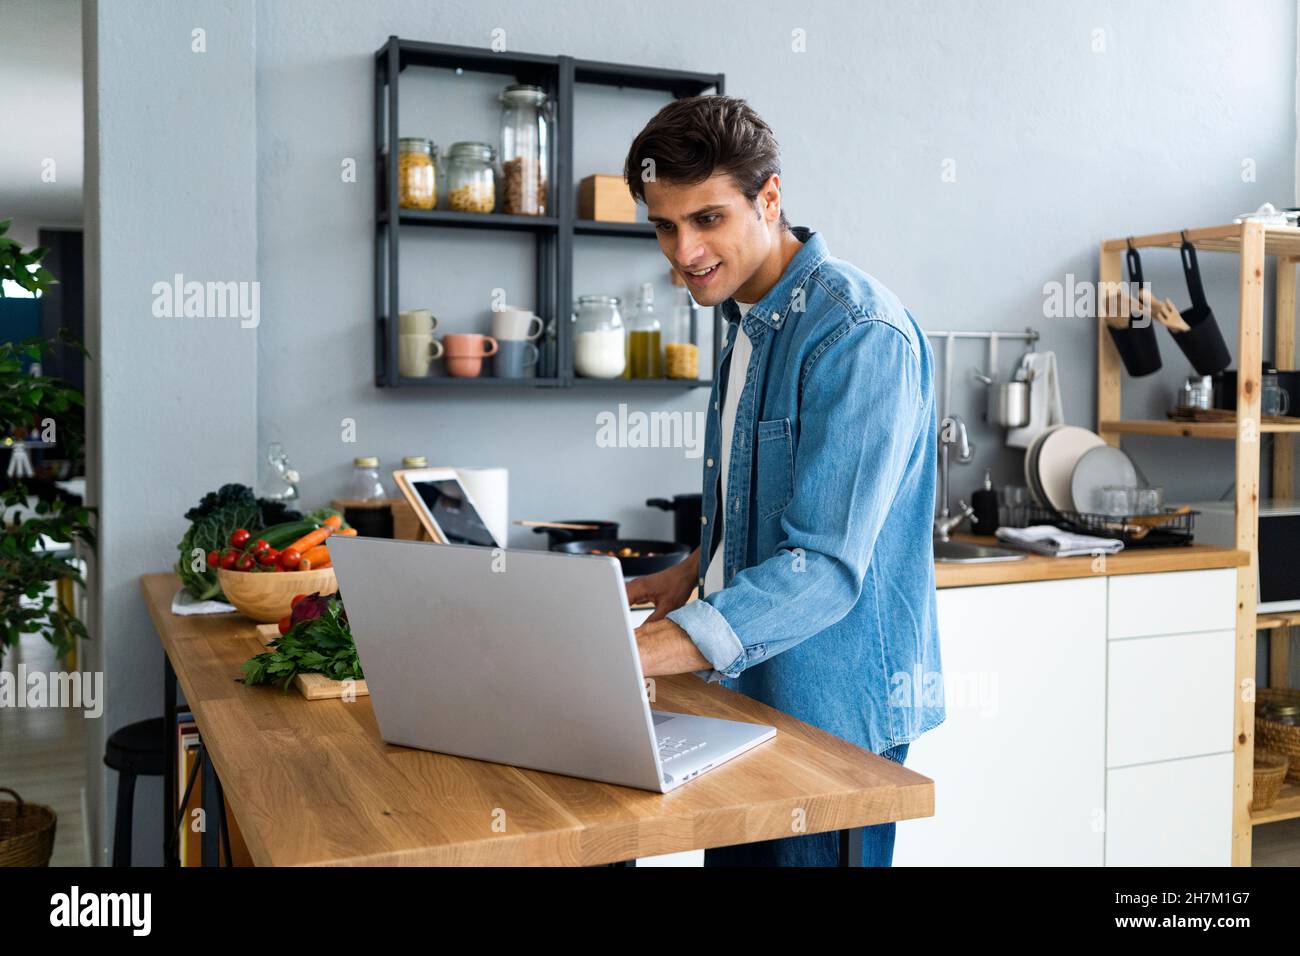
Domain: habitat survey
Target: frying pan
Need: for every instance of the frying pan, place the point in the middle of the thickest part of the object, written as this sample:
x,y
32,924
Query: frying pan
x,y
666,553
558,536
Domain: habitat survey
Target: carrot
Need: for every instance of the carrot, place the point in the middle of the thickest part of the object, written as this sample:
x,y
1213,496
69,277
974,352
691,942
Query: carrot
x,y
334,521
347,532
319,556
311,539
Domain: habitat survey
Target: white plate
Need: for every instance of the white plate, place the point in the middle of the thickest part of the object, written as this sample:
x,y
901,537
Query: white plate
x,y
1031,468
1097,468
1057,456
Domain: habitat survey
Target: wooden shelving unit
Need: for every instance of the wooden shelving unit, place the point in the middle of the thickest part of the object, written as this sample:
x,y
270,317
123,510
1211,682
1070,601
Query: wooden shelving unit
x,y
1253,243
553,234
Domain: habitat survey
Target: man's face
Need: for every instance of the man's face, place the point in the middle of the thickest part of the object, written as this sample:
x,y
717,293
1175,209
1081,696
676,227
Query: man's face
x,y
711,234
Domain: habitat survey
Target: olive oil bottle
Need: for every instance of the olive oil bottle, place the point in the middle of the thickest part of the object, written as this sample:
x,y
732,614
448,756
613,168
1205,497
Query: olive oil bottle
x,y
645,341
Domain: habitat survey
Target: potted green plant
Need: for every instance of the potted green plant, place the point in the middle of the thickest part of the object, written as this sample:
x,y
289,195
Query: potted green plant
x,y
40,406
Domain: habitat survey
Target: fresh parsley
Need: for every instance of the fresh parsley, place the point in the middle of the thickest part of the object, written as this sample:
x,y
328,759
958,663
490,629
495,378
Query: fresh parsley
x,y
320,645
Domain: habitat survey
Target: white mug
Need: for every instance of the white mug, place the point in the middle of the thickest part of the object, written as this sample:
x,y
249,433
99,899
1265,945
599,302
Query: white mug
x,y
415,354
513,325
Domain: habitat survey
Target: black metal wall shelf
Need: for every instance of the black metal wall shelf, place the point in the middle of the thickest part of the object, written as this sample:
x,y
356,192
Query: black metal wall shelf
x,y
634,230
553,235
473,220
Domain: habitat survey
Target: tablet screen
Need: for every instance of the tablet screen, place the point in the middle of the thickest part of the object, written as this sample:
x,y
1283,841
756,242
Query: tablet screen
x,y
456,517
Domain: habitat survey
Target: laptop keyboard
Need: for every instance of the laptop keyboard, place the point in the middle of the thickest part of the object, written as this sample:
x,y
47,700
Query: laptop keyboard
x,y
670,748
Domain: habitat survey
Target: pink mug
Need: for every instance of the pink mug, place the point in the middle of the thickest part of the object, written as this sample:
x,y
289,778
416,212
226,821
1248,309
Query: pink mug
x,y
465,353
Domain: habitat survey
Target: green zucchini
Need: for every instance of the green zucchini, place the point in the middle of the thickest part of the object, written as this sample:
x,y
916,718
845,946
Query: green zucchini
x,y
279,536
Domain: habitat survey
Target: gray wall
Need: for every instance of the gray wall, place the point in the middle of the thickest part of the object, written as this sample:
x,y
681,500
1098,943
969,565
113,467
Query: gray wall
x,y
1056,147
173,409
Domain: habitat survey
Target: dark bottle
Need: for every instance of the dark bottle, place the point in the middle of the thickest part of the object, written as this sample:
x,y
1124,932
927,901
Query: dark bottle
x,y
985,503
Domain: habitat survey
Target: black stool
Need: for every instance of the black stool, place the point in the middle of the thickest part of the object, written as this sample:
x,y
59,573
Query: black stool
x,y
134,750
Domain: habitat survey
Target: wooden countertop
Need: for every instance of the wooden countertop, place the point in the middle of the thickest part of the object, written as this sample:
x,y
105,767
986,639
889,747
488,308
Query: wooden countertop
x,y
1037,567
312,782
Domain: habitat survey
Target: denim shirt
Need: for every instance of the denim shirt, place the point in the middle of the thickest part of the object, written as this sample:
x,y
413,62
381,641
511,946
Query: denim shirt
x,y
827,609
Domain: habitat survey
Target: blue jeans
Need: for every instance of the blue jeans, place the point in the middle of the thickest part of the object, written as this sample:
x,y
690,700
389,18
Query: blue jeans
x,y
813,849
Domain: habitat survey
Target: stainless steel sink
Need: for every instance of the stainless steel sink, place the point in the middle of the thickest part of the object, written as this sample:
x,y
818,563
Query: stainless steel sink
x,y
966,552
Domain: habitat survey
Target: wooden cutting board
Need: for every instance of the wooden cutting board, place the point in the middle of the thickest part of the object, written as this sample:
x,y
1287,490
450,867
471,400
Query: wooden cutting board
x,y
315,686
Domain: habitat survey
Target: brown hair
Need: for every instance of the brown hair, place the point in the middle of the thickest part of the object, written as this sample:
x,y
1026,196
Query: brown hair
x,y
692,138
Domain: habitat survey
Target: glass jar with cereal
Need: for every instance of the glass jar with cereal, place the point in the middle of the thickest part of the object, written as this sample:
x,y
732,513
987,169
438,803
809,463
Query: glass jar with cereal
x,y
525,149
471,185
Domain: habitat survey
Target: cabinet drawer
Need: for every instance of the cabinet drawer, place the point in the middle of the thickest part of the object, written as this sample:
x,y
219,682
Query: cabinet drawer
x,y
1169,697
1176,602
1176,813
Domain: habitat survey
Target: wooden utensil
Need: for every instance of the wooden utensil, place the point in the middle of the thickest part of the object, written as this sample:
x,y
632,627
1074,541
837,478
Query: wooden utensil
x,y
1138,526
1167,314
1154,521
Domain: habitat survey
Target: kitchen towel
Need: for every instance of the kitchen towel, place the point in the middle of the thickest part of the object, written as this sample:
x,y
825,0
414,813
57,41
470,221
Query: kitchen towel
x,y
185,603
1044,399
1053,542
490,489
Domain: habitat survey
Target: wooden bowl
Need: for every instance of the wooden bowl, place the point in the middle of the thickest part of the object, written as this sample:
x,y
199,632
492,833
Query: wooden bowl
x,y
265,596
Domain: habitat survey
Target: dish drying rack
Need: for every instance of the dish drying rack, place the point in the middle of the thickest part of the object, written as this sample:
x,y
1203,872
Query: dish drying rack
x,y
1176,531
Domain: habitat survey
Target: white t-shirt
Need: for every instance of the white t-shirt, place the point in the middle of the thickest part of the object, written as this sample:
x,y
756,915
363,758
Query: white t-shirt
x,y
740,353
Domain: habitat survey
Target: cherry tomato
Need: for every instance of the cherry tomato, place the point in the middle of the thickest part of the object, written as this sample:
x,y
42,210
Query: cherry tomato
x,y
289,559
296,599
239,537
268,557
228,560
285,624
214,559
261,545
244,563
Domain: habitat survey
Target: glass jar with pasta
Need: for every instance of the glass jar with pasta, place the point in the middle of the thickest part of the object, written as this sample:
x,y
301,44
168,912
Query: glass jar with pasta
x,y
471,181
417,176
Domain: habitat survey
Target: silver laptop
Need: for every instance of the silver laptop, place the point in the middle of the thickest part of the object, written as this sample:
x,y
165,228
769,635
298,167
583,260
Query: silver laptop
x,y
518,657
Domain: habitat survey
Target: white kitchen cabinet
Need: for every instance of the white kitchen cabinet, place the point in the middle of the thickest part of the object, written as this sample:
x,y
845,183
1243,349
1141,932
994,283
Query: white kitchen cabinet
x,y
1173,602
1019,763
1111,741
1173,813
1169,697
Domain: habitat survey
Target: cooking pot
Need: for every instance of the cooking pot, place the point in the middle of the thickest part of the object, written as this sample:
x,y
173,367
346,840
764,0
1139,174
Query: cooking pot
x,y
663,554
559,536
686,516
1008,402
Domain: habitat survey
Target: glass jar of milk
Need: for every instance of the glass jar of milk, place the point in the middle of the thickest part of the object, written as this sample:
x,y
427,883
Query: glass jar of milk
x,y
598,337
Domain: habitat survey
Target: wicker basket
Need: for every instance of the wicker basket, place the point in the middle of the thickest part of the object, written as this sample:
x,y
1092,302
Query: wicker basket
x,y
26,832
1270,772
1283,739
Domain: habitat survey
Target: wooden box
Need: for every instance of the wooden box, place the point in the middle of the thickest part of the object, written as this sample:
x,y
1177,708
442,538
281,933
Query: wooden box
x,y
605,199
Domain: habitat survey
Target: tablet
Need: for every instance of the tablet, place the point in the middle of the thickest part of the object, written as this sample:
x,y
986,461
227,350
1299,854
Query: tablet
x,y
444,507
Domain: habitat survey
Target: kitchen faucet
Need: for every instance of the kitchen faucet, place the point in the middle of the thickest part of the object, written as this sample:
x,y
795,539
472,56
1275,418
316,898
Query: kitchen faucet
x,y
952,431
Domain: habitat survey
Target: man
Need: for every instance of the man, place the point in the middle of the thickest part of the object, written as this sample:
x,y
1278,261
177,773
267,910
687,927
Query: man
x,y
816,568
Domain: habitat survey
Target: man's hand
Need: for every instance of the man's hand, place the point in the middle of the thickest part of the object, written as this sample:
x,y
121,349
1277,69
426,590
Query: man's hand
x,y
667,649
668,589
